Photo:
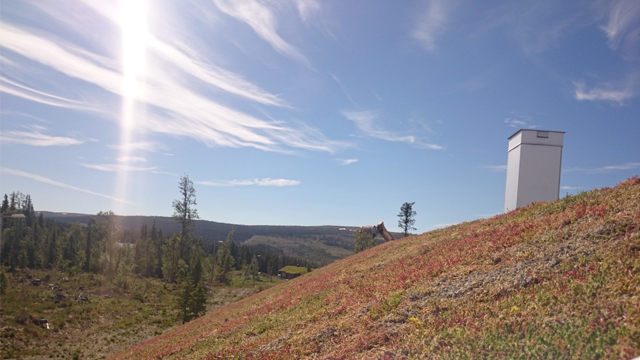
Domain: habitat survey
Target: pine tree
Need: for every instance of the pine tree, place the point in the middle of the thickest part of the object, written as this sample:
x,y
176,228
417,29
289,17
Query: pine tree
x,y
225,261
170,258
198,301
5,203
406,218
254,268
12,203
184,213
91,234
196,272
156,240
192,300
184,300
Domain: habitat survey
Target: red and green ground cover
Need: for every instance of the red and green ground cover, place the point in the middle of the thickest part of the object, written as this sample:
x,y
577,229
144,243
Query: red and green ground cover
x,y
556,280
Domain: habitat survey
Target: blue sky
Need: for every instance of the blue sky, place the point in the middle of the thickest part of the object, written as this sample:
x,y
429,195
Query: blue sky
x,y
308,112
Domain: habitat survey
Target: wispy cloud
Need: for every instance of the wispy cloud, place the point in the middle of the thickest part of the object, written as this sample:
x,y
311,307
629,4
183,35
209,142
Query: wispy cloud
x,y
344,90
606,169
22,91
139,145
602,94
263,21
539,28
46,180
61,56
118,167
176,106
251,182
430,23
497,168
36,137
131,159
570,188
624,23
212,74
365,122
306,8
164,173
430,146
519,122
347,161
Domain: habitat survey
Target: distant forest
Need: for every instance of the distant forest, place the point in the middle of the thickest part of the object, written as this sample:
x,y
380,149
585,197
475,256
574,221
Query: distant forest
x,y
210,231
319,244
115,245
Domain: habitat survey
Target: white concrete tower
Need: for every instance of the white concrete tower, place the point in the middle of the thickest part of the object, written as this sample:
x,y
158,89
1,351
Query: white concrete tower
x,y
533,168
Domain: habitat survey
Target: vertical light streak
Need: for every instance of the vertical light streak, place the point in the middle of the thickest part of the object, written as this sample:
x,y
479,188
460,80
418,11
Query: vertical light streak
x,y
133,24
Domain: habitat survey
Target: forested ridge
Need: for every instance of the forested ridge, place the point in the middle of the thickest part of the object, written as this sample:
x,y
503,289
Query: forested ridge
x,y
100,244
213,231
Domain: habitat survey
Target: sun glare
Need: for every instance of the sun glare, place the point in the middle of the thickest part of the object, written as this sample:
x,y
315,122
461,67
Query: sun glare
x,y
133,23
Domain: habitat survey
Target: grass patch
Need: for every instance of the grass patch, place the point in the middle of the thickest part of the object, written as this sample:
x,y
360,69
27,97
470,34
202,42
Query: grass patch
x,y
294,269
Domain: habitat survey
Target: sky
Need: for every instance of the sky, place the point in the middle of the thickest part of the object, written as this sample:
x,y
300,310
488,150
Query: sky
x,y
304,112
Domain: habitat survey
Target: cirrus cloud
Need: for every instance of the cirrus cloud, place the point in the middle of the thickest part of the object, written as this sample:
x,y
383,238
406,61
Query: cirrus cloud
x,y
602,94
251,182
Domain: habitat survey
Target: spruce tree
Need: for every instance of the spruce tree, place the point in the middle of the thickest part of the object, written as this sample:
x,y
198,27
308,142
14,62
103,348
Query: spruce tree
x,y
225,266
184,300
184,212
198,305
5,203
406,218
254,268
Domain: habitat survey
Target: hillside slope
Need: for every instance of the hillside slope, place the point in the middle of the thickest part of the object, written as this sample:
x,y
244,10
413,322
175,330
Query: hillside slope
x,y
558,280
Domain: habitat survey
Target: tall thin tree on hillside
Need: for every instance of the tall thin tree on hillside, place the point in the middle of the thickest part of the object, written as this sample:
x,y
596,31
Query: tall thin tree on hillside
x,y
184,212
406,218
225,261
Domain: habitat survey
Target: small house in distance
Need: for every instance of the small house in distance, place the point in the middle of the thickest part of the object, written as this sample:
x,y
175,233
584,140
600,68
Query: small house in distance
x,y
533,168
291,272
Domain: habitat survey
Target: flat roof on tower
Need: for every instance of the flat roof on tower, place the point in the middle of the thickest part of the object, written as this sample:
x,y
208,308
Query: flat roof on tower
x,y
521,130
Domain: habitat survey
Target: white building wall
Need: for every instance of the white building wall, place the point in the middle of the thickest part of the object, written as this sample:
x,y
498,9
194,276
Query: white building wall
x,y
533,168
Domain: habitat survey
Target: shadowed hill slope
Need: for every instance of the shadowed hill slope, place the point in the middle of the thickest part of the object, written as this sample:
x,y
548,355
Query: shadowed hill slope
x,y
557,280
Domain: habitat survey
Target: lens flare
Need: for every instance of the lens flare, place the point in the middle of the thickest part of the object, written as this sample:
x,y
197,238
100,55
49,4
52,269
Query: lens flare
x,y
133,25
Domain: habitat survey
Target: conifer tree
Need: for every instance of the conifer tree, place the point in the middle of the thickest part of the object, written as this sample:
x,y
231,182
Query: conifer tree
x,y
196,272
171,258
406,220
184,212
254,268
184,300
199,301
225,261
5,203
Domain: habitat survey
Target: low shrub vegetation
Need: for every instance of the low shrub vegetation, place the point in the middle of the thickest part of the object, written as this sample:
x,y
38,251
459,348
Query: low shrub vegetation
x,y
557,280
